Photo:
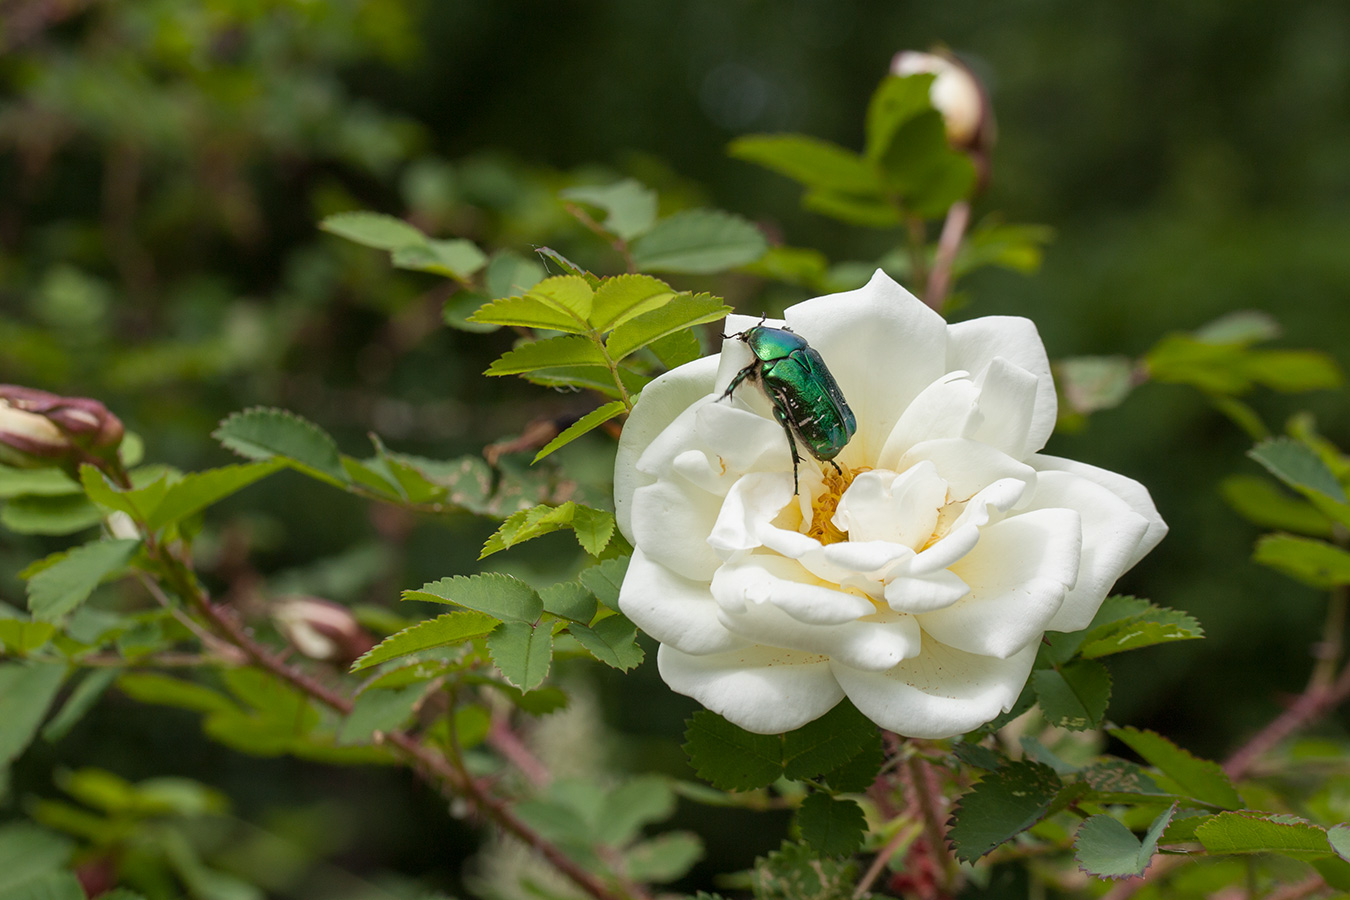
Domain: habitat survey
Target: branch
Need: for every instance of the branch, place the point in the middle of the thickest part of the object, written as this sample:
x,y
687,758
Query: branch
x,y
940,278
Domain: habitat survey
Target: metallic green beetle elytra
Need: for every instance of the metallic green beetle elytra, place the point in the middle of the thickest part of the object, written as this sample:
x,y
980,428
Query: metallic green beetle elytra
x,y
806,399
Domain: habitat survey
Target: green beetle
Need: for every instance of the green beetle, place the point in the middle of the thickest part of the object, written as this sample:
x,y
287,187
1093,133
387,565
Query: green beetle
x,y
806,399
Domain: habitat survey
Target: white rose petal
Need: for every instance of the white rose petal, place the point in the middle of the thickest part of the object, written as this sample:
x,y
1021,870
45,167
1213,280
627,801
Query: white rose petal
x,y
918,579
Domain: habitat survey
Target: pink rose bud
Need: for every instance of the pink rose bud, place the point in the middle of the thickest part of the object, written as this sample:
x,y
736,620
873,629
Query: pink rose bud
x,y
38,428
956,93
321,629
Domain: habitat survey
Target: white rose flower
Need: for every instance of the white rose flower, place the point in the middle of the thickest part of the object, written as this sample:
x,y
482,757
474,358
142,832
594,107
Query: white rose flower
x,y
919,583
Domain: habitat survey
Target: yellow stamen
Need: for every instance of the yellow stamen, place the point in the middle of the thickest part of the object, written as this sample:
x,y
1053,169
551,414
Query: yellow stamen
x,y
823,506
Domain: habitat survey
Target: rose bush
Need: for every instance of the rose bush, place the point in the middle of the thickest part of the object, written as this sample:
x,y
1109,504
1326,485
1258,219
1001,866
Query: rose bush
x,y
919,583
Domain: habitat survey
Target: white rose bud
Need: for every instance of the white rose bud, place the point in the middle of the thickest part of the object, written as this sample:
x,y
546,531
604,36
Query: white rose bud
x,y
321,629
955,93
918,581
39,428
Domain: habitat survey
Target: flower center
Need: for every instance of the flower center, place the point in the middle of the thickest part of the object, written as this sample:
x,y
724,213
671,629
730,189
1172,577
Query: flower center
x,y
823,506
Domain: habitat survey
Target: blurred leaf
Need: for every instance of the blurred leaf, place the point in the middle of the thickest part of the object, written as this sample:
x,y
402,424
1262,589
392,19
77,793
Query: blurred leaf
x,y
522,652
1299,467
856,209
567,350
795,265
1106,848
1261,503
27,851
834,827
500,596
587,423
1294,371
635,803
442,631
21,637
198,490
50,515
664,858
35,483
919,163
509,274
896,101
685,311
459,309
163,690
1199,778
67,579
1019,248
1243,327
1001,805
699,241
138,502
1092,383
91,687
613,641
625,297
261,433
49,886
26,692
1074,695
373,230
630,207
813,162
1308,560
457,259
379,710
1247,832
796,872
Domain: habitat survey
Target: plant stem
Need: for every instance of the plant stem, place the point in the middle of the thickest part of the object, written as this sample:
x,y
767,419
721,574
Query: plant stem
x,y
940,278
918,246
934,829
426,762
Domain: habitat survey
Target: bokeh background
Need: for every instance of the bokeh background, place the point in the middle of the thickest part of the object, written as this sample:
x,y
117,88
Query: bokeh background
x,y
163,164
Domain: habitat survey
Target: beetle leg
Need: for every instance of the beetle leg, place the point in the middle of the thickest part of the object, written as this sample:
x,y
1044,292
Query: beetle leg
x,y
836,467
748,372
781,416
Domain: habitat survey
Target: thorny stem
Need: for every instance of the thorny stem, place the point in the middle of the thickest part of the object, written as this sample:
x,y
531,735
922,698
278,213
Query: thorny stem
x,y
901,837
940,278
620,245
934,829
429,764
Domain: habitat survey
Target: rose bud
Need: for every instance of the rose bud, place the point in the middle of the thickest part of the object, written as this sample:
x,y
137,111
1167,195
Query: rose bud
x,y
38,428
956,93
321,629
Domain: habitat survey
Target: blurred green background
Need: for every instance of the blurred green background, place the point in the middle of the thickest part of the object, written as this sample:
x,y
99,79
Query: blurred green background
x,y
163,165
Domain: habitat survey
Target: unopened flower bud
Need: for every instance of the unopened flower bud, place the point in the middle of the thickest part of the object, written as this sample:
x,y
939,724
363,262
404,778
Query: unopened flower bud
x,y
38,428
956,93
321,629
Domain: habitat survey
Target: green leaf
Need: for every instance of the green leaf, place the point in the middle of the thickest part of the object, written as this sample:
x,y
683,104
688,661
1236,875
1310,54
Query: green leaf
x,y
26,692
565,350
1092,383
373,230
699,241
1199,778
589,422
664,858
729,757
378,710
613,641
138,502
856,209
80,701
1313,562
21,637
510,273
858,774
163,690
593,527
27,851
674,350
457,259
605,580
685,311
1299,467
813,162
199,490
442,631
796,872
523,653
896,101
500,596
1242,327
630,207
262,433
833,827
625,810
1074,695
547,254
827,743
1106,848
1339,837
528,311
67,579
35,483
1001,805
51,886
1262,503
1246,832
459,309
1139,624
58,515
569,600
625,297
